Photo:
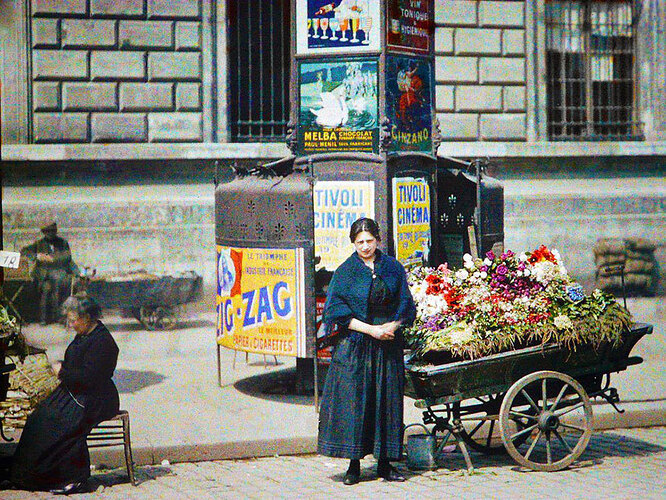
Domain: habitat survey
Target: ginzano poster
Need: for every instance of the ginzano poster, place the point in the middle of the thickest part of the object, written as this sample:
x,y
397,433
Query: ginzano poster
x,y
409,103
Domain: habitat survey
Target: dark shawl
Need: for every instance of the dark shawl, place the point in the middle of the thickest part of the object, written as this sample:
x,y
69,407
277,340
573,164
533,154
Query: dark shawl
x,y
348,292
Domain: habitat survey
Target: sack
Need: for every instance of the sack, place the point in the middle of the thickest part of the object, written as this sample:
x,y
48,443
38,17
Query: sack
x,y
640,245
639,266
609,246
609,259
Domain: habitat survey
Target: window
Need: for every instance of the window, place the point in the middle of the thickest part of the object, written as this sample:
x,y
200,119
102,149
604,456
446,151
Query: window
x,y
590,70
259,66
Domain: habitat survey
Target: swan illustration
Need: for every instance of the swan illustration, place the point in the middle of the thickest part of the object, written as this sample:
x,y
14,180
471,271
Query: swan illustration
x,y
333,113
358,104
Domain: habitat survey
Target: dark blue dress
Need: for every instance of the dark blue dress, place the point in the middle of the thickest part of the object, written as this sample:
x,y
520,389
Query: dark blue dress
x,y
362,405
52,451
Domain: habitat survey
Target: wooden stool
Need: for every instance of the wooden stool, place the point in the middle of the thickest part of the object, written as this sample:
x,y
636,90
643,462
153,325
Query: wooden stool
x,y
114,432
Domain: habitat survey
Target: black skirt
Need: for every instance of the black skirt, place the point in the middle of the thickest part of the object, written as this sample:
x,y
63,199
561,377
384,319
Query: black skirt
x,y
362,405
52,451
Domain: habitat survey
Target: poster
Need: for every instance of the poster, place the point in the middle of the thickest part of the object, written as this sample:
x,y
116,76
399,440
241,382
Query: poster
x,y
411,219
338,106
330,26
337,204
260,301
409,25
409,103
324,342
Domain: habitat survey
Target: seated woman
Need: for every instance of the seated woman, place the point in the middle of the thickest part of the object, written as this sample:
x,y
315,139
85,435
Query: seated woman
x,y
52,453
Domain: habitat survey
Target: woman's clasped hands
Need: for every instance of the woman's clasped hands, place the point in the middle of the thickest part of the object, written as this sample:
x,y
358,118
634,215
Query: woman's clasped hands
x,y
385,331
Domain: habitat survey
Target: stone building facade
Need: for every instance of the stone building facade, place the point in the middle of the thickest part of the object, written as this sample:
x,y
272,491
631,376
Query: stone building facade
x,y
114,113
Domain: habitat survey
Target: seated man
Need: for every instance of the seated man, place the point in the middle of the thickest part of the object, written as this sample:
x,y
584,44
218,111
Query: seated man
x,y
52,271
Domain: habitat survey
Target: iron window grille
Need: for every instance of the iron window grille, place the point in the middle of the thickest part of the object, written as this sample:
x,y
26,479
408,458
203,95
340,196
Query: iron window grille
x,y
590,61
259,41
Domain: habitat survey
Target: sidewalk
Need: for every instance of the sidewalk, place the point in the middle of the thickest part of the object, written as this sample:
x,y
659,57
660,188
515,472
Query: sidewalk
x,y
168,383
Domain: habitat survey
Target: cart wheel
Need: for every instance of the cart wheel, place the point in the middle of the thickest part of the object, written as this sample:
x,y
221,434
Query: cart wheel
x,y
157,318
479,417
555,414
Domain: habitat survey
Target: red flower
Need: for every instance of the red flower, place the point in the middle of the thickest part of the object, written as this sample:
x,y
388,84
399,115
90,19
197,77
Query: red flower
x,y
541,254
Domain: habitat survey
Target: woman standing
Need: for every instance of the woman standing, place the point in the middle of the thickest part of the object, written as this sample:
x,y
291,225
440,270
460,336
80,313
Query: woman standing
x,y
362,404
52,453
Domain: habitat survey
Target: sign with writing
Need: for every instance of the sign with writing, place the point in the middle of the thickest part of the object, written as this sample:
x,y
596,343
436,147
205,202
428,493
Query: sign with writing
x,y
409,25
411,219
338,106
337,204
324,342
409,103
9,259
261,300
331,26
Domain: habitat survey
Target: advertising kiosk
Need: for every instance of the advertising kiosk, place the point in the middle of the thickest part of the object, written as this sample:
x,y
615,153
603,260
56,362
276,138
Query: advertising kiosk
x,y
364,136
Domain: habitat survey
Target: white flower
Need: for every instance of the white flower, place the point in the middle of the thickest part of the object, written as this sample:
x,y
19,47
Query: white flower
x,y
522,257
563,322
483,275
460,333
526,272
487,261
462,274
468,258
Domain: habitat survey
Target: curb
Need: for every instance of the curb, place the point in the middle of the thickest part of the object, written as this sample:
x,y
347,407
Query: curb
x,y
605,417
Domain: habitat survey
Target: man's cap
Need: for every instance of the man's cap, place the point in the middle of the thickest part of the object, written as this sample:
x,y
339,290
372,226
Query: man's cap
x,y
51,227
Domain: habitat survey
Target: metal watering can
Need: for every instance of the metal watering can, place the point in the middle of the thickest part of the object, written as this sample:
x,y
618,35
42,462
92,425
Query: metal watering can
x,y
421,449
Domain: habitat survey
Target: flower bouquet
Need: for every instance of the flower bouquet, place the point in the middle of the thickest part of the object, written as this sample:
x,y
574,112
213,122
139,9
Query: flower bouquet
x,y
506,302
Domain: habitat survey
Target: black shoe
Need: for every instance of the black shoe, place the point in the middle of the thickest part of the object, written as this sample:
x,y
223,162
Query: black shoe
x,y
351,478
390,474
68,489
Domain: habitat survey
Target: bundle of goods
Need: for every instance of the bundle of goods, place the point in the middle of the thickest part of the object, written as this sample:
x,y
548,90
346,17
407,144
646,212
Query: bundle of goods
x,y
33,377
506,302
633,257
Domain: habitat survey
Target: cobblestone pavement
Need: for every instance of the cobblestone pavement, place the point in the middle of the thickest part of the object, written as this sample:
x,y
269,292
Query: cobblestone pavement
x,y
619,464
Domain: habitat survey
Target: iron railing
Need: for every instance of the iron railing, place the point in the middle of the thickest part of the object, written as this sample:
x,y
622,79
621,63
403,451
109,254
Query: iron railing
x,y
259,65
590,58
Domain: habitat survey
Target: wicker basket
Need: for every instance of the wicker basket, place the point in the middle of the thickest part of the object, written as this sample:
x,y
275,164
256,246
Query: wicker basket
x,y
34,377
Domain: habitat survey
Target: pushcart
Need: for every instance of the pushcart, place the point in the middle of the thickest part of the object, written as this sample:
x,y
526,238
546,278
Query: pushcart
x,y
533,403
151,299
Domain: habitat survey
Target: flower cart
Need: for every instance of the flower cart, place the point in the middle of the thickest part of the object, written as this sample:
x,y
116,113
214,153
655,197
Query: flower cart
x,y
507,353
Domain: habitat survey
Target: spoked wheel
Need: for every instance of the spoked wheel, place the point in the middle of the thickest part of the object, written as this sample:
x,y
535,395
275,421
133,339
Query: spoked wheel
x,y
554,414
480,417
157,318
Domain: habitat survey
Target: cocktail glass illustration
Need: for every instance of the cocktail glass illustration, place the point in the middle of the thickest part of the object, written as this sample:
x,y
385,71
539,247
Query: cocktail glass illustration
x,y
344,26
355,23
366,26
334,23
309,26
323,22
315,23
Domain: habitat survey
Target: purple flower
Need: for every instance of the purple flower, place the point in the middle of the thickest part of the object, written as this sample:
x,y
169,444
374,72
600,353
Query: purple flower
x,y
490,255
502,270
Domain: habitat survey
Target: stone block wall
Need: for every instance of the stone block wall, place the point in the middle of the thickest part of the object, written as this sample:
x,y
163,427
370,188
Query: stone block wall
x,y
480,70
117,71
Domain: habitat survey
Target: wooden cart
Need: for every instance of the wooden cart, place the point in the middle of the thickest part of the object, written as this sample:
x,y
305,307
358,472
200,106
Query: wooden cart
x,y
533,402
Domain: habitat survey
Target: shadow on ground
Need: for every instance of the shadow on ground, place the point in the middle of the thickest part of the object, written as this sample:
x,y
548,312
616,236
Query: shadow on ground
x,y
112,477
602,445
281,385
129,381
